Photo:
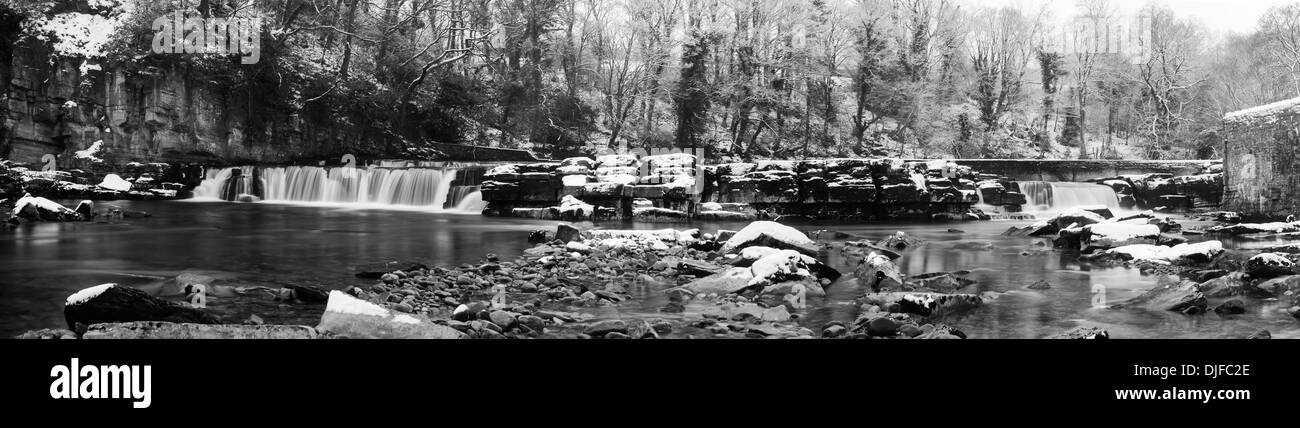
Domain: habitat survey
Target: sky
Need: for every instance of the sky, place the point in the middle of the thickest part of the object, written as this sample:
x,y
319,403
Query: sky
x,y
1240,16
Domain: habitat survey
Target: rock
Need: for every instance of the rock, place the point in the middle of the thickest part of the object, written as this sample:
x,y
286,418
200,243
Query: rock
x,y
1279,286
1253,228
1231,307
1082,333
910,330
1269,265
925,304
48,334
40,209
879,272
729,281
1040,285
167,330
698,269
471,311
899,242
378,270
1182,254
534,323
771,234
941,282
567,233
1233,284
109,303
390,279
1171,297
1077,216
882,327
115,183
615,335
309,294
833,330
1262,334
603,328
503,319
86,209
776,314
1112,235
354,318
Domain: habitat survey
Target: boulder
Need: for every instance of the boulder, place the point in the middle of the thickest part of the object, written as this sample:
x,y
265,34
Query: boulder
x,y
567,233
1233,284
1170,297
879,272
728,281
1269,265
1079,216
1181,254
1112,235
1280,286
167,330
771,234
606,327
350,317
109,303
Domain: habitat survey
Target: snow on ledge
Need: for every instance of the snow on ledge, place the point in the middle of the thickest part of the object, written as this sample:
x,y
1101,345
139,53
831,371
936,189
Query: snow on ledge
x,y
1263,110
87,294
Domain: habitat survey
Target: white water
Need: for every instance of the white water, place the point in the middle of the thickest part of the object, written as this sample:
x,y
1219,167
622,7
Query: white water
x,y
1047,196
427,189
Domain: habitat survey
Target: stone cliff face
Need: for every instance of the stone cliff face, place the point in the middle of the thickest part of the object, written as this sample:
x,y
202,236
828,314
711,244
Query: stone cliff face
x,y
152,114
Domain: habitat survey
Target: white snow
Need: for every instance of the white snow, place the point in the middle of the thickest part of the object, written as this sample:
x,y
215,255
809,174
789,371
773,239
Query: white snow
x,y
87,294
574,180
1157,253
1272,259
576,206
342,303
1123,231
783,263
616,161
406,319
1263,110
666,235
503,170
91,151
671,160
116,183
755,253
624,179
777,231
41,204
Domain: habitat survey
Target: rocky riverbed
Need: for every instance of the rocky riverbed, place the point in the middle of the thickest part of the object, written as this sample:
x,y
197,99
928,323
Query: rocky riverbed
x,y
763,280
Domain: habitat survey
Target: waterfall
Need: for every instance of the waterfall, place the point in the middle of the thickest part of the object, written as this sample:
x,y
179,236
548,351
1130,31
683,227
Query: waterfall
x,y
416,187
1055,196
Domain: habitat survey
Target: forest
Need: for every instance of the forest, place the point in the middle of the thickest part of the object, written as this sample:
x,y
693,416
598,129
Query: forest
x,y
745,79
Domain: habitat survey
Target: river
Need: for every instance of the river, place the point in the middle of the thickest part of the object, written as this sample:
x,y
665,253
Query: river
x,y
271,245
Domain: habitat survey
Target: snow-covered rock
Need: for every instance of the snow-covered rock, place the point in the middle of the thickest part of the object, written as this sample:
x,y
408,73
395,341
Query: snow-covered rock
x,y
1113,235
115,183
38,208
770,234
574,180
1248,228
781,266
617,161
574,208
1183,253
109,303
1269,265
355,318
879,272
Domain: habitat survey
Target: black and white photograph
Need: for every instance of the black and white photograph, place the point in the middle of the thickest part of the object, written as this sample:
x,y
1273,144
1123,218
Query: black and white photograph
x,y
262,171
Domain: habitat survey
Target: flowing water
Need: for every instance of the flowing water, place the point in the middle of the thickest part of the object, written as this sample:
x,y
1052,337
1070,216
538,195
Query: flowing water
x,y
273,244
1045,196
413,188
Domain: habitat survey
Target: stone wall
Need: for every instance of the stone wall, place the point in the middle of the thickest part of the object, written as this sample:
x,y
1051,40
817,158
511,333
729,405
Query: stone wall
x,y
1262,160
666,188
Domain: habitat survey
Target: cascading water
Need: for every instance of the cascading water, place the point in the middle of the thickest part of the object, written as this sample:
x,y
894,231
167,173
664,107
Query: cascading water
x,y
417,187
1056,196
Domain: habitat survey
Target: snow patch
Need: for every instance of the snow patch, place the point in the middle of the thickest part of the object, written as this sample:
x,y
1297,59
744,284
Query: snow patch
x,y
342,303
116,183
87,294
